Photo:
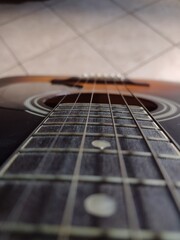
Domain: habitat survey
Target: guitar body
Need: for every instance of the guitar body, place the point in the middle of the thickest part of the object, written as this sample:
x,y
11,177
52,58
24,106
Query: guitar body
x,y
26,101
21,114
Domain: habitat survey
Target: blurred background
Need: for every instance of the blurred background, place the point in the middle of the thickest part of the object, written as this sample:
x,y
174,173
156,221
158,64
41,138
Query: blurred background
x,y
138,38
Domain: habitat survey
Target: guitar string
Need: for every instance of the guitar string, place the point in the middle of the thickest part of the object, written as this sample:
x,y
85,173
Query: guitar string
x,y
170,183
70,203
15,213
132,218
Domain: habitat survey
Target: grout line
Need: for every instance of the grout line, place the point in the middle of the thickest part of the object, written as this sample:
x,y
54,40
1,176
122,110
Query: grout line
x,y
24,69
149,60
19,63
129,13
23,16
95,28
102,55
22,62
133,13
136,67
82,36
173,45
178,43
14,56
103,25
48,50
137,9
51,4
11,68
79,36
55,46
12,53
153,29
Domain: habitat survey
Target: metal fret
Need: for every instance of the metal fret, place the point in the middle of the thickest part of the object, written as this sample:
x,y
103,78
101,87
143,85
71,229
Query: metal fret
x,y
98,135
104,124
91,134
92,150
85,178
45,230
143,117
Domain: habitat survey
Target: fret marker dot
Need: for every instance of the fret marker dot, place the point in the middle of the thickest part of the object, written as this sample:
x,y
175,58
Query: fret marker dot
x,y
101,144
100,205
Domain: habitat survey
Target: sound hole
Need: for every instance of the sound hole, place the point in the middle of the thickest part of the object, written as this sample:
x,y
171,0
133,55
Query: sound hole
x,y
100,98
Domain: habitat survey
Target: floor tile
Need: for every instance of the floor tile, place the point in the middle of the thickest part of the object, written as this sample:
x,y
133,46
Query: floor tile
x,y
127,43
131,5
7,60
163,16
165,67
85,15
75,57
16,71
36,33
9,12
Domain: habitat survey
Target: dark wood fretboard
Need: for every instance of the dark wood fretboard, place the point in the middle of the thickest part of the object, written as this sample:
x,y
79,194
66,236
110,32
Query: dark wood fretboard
x,y
45,183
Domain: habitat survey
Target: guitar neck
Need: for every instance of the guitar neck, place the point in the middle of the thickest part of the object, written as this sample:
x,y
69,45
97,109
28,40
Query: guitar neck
x,y
93,170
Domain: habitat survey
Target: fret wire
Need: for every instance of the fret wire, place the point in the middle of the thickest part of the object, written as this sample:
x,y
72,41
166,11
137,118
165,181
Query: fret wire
x,y
109,135
70,202
102,117
94,115
92,123
169,181
16,211
101,124
91,115
94,105
96,110
103,104
43,134
132,217
90,150
87,232
86,178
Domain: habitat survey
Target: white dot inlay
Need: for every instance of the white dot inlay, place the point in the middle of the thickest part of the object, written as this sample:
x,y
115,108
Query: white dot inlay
x,y
100,205
102,144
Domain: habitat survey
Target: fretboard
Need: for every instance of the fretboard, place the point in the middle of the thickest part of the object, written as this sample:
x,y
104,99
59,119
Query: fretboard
x,y
116,153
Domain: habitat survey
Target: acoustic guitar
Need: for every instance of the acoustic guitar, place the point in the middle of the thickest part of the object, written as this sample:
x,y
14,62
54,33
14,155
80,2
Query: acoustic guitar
x,y
91,157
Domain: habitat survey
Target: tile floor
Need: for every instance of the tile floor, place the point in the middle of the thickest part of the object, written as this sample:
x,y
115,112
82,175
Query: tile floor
x,y
138,38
